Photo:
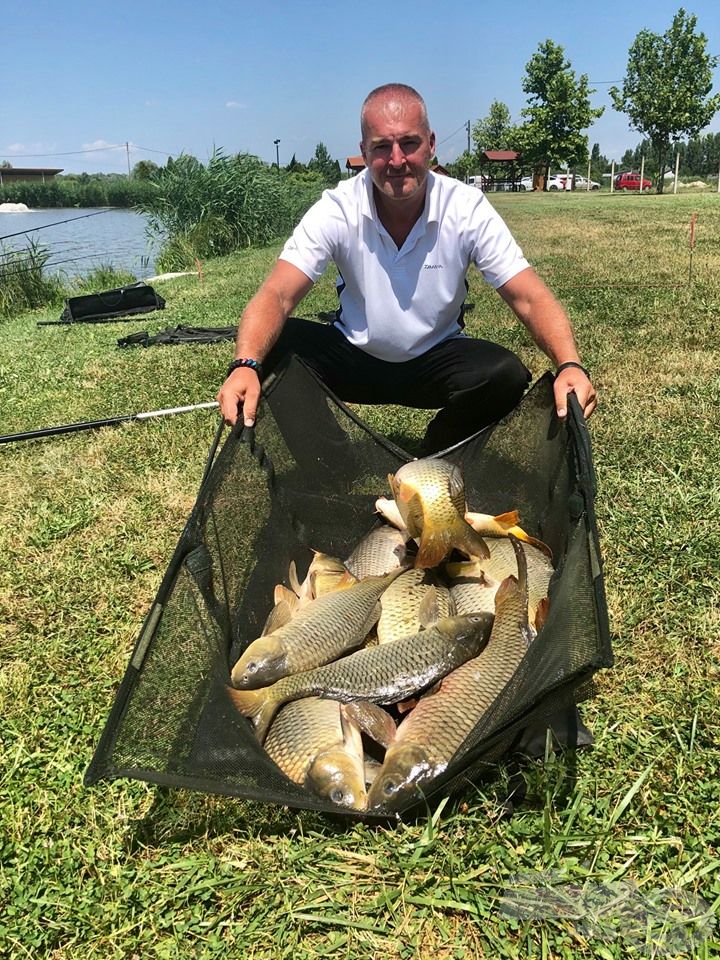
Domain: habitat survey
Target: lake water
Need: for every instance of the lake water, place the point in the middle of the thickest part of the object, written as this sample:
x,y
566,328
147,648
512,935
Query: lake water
x,y
108,237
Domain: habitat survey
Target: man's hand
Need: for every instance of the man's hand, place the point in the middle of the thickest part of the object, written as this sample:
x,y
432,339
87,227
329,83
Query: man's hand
x,y
574,380
240,392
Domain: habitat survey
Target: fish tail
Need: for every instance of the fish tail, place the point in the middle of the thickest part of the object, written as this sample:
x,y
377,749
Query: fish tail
x,y
257,705
471,542
432,550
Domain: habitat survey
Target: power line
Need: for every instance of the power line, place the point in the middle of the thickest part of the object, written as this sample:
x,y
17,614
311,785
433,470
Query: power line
x,y
73,153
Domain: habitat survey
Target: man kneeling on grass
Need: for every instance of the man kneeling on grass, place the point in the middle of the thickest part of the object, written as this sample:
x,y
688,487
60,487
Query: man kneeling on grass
x,y
403,239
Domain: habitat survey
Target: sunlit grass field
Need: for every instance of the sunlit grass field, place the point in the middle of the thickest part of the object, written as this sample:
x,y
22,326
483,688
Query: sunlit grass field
x,y
613,853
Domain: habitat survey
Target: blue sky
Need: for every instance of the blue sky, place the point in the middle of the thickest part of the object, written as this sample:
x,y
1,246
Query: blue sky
x,y
189,76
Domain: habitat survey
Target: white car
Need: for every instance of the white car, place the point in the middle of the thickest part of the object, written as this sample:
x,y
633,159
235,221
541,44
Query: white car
x,y
581,183
526,183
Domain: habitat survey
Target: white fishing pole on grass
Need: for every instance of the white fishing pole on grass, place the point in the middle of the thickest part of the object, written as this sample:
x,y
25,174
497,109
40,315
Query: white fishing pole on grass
x,y
108,422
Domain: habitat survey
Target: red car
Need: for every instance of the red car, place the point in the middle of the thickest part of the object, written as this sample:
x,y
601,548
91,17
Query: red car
x,y
631,181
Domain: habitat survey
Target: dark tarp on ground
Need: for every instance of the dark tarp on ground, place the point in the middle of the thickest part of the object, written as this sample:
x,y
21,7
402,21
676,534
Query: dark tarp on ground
x,y
307,477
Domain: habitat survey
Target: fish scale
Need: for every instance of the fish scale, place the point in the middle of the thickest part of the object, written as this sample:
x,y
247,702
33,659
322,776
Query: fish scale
x,y
429,737
401,604
322,630
383,674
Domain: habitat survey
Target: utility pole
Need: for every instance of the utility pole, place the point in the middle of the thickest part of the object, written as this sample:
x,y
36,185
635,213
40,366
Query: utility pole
x,y
467,127
127,151
277,153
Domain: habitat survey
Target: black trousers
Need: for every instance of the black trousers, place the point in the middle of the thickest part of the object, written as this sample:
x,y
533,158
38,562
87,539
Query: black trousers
x,y
473,382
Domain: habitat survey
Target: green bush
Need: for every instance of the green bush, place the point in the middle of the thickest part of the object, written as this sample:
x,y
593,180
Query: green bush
x,y
24,285
209,210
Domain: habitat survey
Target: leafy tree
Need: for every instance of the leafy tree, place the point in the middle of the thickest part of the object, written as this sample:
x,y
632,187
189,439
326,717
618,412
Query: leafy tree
x,y
599,163
495,131
667,84
463,166
144,170
295,166
558,111
321,162
6,165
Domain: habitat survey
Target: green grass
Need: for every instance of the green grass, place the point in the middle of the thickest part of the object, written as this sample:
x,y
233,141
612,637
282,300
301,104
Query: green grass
x,y
89,522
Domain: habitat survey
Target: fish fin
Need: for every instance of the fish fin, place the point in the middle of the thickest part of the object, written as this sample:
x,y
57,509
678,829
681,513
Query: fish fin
x,y
405,706
456,489
293,578
471,542
432,550
282,592
393,484
280,614
257,706
506,591
522,564
414,520
429,612
510,518
371,719
543,547
541,613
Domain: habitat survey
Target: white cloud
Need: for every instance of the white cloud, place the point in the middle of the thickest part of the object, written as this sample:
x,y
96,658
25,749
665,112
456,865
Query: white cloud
x,y
235,105
100,145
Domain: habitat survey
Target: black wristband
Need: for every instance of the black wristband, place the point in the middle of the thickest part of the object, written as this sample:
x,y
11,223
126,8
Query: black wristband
x,y
572,363
245,362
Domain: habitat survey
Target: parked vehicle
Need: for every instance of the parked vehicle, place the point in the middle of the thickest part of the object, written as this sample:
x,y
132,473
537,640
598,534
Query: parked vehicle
x,y
557,181
526,183
581,183
631,181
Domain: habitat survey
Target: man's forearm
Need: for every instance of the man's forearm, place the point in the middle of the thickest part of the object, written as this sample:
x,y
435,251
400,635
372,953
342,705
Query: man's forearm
x,y
542,315
264,317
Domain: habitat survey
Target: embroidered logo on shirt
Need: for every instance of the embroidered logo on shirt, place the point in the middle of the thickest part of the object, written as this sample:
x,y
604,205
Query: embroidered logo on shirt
x,y
433,266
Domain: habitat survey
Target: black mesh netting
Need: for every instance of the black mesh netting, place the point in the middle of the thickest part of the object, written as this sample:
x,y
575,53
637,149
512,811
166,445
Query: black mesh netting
x,y
307,477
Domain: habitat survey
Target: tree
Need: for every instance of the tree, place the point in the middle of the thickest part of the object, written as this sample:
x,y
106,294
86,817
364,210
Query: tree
x,y
321,162
558,111
667,84
495,131
463,166
144,170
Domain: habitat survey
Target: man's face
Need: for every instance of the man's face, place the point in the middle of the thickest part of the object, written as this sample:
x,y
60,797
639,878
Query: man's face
x,y
397,147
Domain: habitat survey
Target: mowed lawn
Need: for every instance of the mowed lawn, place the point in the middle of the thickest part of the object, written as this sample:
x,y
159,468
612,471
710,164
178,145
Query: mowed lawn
x,y
613,853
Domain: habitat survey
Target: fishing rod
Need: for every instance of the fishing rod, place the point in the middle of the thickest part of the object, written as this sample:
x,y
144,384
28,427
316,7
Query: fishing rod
x,y
57,223
108,422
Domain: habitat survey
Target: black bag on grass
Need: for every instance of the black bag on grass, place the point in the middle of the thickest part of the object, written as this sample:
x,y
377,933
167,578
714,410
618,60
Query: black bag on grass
x,y
111,304
307,477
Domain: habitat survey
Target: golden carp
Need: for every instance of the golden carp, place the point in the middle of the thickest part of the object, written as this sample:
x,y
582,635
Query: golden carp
x,y
382,550
324,575
430,495
401,605
383,674
502,563
317,746
430,736
503,525
321,631
471,589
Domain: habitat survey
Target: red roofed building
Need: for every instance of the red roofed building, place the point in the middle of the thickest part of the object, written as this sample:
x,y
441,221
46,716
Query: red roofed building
x,y
354,165
505,175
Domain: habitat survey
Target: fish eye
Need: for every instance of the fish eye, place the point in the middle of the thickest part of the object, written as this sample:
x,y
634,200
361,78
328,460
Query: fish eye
x,y
251,667
389,788
337,796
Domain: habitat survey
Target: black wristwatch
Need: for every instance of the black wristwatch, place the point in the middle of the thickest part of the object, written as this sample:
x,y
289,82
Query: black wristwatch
x,y
245,362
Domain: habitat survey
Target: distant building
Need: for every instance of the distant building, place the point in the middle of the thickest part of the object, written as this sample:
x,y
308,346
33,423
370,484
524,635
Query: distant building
x,y
439,168
10,175
354,165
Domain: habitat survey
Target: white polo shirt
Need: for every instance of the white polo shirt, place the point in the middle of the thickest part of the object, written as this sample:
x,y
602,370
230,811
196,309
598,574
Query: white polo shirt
x,y
397,304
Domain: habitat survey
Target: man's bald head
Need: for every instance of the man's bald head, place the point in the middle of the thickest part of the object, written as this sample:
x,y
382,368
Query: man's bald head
x,y
392,96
